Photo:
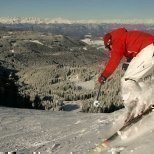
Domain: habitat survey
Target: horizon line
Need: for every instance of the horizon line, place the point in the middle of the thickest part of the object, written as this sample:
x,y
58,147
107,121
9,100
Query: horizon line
x,y
61,19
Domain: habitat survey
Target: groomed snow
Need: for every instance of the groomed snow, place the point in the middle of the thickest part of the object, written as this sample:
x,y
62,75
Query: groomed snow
x,y
26,130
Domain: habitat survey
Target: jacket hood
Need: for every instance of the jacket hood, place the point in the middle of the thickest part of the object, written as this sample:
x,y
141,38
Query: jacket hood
x,y
118,33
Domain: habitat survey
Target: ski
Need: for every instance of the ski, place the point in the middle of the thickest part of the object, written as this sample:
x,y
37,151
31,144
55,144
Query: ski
x,y
106,143
129,124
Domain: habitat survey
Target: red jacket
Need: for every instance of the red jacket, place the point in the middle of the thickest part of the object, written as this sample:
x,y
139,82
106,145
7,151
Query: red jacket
x,y
125,43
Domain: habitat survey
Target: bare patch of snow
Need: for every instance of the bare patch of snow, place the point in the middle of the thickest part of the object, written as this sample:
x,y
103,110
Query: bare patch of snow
x,y
89,85
36,41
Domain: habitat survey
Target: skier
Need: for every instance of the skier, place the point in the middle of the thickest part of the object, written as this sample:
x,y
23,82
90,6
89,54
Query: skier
x,y
136,84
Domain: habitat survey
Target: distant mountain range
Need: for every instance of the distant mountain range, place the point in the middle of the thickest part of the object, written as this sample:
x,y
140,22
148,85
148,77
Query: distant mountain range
x,y
36,20
76,29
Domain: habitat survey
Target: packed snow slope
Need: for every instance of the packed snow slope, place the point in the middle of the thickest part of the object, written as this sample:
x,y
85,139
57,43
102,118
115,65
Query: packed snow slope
x,y
24,131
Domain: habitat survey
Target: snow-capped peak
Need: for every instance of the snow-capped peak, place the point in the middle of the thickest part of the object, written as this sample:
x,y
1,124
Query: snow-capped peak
x,y
37,20
32,20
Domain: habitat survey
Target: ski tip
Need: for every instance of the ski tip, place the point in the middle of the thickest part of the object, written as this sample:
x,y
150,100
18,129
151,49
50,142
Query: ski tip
x,y
105,143
100,148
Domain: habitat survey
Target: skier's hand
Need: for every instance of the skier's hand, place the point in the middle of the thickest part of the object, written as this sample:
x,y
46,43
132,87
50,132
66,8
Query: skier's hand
x,y
101,79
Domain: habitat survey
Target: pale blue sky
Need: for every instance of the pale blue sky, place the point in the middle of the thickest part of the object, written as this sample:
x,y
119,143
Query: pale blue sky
x,y
79,9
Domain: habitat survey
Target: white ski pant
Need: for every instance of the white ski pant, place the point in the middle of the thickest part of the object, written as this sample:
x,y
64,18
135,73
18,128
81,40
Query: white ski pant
x,y
137,84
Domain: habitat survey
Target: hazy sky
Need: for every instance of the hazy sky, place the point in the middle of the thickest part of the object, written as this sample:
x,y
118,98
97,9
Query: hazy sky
x,y
79,9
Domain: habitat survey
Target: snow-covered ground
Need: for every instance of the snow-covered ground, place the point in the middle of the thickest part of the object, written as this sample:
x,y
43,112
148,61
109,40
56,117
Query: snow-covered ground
x,y
74,132
92,42
98,43
89,85
36,41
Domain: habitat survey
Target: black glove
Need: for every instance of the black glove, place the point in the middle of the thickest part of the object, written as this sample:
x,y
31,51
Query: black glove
x,y
101,79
